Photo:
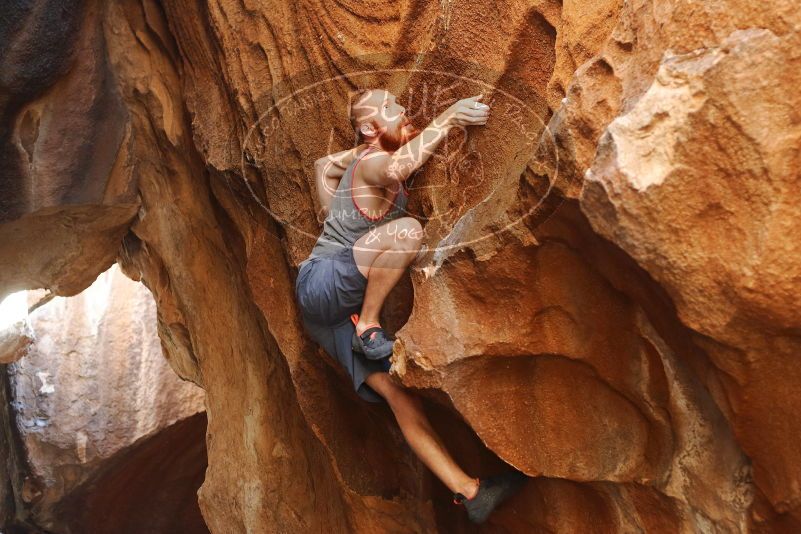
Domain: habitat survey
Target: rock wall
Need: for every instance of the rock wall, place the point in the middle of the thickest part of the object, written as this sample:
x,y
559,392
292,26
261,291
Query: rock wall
x,y
607,298
98,416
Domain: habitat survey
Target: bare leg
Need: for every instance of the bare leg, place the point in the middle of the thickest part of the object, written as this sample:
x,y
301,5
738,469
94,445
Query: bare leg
x,y
422,438
382,256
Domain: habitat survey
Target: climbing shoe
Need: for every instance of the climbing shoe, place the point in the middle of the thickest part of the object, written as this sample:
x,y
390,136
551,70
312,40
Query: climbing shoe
x,y
373,343
491,492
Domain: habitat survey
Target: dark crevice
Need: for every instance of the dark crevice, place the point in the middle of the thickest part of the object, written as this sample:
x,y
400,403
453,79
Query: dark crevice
x,y
15,516
151,486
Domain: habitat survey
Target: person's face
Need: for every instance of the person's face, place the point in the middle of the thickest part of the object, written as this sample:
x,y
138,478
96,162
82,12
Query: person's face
x,y
387,121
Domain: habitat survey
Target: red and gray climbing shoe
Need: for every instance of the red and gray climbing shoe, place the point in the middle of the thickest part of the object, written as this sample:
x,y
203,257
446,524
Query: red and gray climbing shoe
x,y
373,342
491,492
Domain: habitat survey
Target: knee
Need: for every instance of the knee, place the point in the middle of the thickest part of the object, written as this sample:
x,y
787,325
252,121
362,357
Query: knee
x,y
384,386
405,404
393,393
409,233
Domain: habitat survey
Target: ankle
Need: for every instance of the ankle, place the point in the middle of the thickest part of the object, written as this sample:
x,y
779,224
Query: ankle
x,y
361,326
470,488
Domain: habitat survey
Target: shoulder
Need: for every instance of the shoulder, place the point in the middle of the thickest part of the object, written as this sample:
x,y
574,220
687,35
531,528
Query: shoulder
x,y
372,167
342,159
357,151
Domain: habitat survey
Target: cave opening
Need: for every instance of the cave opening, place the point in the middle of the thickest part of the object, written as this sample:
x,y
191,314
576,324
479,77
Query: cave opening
x,y
101,435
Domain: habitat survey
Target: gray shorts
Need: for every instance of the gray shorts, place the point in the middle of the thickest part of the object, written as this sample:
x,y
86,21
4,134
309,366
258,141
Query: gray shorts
x,y
328,290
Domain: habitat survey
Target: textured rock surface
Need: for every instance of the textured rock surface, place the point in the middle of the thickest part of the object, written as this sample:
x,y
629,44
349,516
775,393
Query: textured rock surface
x,y
91,395
628,341
708,213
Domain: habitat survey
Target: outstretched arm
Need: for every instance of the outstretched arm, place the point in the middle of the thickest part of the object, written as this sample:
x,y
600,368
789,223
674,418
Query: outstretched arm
x,y
328,170
382,168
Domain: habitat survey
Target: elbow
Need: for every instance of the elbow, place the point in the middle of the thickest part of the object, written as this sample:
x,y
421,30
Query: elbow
x,y
322,214
320,168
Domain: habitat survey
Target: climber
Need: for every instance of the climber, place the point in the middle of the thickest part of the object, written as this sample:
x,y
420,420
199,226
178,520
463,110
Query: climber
x,y
364,248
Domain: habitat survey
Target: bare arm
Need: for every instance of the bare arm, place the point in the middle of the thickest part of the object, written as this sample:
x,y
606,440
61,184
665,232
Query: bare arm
x,y
327,171
382,168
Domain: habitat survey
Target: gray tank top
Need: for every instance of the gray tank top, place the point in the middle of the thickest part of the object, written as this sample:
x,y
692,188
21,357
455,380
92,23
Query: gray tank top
x,y
346,221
